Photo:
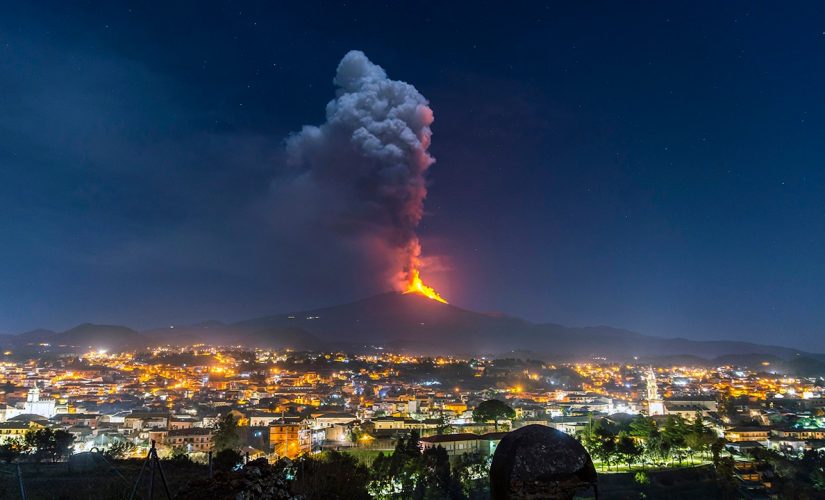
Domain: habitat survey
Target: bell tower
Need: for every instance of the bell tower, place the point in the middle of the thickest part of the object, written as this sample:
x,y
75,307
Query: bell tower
x,y
655,405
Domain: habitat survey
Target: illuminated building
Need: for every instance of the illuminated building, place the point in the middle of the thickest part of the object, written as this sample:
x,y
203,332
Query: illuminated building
x,y
36,406
289,440
655,405
688,408
16,430
459,444
737,434
195,439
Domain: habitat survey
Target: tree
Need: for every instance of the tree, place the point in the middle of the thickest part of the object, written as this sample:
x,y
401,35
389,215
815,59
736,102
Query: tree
x,y
818,479
443,424
226,459
35,443
120,448
48,444
604,444
396,475
673,435
380,473
716,450
494,410
410,474
627,449
725,476
599,439
587,435
331,475
472,472
226,434
11,449
699,438
643,427
180,455
62,444
412,449
437,478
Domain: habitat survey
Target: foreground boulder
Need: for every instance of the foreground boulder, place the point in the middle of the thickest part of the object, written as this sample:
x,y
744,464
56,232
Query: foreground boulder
x,y
537,461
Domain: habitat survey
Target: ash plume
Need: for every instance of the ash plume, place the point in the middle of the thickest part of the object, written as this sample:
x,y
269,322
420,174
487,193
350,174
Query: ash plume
x,y
364,169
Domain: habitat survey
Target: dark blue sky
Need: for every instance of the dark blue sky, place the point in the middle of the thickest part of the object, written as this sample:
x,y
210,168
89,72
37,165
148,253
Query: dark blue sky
x,y
657,167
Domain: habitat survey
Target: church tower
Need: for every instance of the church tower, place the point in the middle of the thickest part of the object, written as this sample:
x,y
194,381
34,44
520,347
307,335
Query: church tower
x,y
655,406
33,395
44,407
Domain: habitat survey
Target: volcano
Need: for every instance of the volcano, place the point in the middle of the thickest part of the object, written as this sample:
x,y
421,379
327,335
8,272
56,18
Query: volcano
x,y
397,318
417,324
414,323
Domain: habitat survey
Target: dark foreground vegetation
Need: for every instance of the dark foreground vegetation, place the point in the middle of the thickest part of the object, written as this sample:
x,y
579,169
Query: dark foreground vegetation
x,y
40,467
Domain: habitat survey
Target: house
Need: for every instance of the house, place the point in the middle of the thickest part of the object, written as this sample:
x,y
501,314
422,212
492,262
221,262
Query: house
x,y
181,423
195,439
289,440
459,444
688,408
385,424
390,424
759,434
743,447
139,421
457,407
16,429
330,419
755,479
338,434
571,424
795,433
69,419
788,445
263,419
157,435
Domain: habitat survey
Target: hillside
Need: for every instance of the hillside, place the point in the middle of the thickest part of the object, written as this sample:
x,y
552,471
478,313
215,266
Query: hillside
x,y
85,336
422,325
415,324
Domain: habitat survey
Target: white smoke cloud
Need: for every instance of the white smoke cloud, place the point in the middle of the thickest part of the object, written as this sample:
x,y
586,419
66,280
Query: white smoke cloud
x,y
364,169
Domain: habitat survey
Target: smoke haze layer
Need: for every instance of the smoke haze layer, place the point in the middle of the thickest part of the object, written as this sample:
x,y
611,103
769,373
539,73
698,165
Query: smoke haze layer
x,y
364,169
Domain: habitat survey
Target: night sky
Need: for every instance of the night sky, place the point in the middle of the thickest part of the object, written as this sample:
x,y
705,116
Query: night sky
x,y
658,168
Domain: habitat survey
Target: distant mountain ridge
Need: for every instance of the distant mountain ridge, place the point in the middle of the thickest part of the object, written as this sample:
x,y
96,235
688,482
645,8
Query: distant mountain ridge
x,y
428,326
412,323
87,334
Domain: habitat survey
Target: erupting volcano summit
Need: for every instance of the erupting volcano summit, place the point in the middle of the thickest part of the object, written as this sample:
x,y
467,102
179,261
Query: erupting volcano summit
x,y
417,286
367,165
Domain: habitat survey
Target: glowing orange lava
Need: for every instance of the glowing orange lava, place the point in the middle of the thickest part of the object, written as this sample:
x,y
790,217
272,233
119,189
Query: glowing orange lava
x,y
415,285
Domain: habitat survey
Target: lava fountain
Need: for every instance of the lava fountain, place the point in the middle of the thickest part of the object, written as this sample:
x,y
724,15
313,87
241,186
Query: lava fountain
x,y
416,285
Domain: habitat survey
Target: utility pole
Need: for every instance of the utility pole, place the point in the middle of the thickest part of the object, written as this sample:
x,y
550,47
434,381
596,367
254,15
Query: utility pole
x,y
20,480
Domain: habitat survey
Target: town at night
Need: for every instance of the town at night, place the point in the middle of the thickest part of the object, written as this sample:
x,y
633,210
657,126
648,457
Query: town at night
x,y
287,404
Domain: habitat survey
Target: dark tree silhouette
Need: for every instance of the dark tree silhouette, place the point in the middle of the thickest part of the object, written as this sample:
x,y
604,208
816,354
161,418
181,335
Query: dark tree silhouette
x,y
226,434
332,475
227,459
493,409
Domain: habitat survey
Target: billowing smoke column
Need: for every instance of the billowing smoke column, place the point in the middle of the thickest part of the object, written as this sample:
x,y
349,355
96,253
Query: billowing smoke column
x,y
370,160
